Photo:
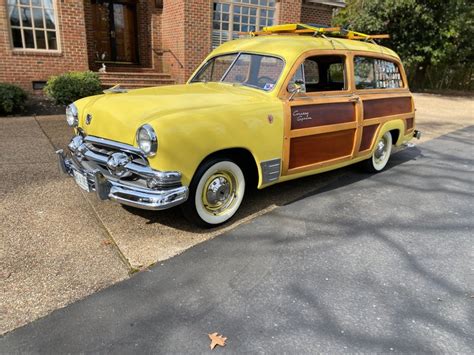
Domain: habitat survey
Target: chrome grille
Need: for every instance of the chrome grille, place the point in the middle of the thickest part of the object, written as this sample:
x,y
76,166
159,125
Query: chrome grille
x,y
107,148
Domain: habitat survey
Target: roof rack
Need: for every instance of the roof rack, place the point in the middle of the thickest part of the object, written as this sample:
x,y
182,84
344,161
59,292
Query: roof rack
x,y
301,28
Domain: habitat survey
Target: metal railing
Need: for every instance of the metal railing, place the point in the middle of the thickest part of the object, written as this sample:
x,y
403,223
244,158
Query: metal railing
x,y
161,51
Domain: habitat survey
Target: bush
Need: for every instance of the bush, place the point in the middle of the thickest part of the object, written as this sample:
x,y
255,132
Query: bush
x,y
69,87
12,98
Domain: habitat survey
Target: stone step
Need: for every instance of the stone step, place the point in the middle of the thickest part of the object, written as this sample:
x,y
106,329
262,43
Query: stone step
x,y
134,75
137,85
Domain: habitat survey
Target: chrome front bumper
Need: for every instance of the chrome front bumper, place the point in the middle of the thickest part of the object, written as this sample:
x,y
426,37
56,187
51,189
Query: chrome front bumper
x,y
92,164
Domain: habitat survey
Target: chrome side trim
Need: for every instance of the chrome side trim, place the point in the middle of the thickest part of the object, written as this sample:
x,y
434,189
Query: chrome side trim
x,y
270,170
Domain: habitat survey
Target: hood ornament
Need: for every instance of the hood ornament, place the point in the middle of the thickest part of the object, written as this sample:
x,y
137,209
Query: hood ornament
x,y
117,89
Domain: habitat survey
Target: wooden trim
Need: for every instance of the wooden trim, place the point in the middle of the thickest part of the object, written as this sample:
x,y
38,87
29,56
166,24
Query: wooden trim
x,y
389,106
368,135
318,148
324,129
307,116
383,56
409,124
384,119
284,94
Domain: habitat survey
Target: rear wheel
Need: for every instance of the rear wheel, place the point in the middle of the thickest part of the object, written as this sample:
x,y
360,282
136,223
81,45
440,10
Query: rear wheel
x,y
381,155
215,193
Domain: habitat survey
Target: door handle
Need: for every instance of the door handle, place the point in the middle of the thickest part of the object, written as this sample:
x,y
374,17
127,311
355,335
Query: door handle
x,y
354,99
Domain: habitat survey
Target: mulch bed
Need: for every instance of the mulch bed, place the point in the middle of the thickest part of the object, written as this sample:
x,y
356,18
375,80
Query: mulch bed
x,y
39,106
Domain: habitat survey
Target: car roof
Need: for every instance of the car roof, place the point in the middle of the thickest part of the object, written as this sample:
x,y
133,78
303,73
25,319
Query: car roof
x,y
291,47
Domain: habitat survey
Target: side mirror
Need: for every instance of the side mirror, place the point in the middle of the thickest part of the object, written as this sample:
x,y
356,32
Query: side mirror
x,y
295,88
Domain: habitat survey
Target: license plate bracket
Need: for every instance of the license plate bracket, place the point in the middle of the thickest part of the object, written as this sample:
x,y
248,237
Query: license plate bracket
x,y
81,181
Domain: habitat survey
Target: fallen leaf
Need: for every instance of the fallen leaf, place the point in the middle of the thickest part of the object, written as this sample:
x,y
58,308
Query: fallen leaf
x,y
216,339
106,242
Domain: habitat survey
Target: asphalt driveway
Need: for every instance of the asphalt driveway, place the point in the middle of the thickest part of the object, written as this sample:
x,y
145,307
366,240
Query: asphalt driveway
x,y
59,245
369,263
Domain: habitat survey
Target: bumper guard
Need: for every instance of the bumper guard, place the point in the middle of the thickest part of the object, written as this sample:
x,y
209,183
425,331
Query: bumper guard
x,y
131,193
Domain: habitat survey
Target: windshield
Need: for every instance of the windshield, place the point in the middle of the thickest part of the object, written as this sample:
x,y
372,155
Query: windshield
x,y
257,71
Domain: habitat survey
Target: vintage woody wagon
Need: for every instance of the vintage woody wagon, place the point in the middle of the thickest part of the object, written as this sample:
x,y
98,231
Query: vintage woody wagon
x,y
288,102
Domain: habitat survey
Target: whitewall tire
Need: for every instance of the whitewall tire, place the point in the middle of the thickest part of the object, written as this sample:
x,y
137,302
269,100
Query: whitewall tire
x,y
216,192
382,150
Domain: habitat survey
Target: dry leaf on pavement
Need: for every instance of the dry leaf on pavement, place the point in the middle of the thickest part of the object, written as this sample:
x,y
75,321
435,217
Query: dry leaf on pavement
x,y
216,339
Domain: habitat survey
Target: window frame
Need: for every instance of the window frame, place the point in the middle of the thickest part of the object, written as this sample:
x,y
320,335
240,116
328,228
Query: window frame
x,y
55,8
238,54
348,69
379,56
230,31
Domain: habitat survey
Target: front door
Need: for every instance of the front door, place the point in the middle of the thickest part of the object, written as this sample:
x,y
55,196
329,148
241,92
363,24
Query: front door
x,y
322,125
115,31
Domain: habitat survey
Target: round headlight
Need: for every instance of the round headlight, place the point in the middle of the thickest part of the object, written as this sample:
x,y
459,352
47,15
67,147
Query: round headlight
x,y
147,140
72,115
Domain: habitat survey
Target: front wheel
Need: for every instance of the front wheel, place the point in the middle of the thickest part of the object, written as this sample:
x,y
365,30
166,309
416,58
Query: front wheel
x,y
215,193
381,155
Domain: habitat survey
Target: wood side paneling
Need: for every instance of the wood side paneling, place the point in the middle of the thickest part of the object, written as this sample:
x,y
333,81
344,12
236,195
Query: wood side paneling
x,y
367,137
322,114
320,147
409,123
386,107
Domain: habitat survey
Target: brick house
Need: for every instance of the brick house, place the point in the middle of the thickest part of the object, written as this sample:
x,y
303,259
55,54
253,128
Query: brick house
x,y
141,42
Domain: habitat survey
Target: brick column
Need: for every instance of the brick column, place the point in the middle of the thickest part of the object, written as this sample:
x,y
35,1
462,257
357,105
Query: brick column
x,y
318,14
198,33
186,30
289,11
173,37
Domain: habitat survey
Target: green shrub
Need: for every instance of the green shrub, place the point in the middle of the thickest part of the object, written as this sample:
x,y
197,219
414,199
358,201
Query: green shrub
x,y
12,98
69,87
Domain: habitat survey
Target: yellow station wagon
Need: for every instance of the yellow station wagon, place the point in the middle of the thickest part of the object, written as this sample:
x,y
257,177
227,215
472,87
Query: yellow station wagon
x,y
288,102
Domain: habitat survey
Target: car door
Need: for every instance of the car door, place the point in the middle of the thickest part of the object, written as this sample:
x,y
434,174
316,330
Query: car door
x,y
380,83
322,125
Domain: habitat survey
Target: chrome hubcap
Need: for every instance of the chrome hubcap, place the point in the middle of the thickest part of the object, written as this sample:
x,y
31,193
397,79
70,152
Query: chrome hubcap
x,y
381,150
219,192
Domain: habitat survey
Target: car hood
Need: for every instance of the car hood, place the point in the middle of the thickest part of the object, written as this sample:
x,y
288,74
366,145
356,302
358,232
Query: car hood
x,y
117,116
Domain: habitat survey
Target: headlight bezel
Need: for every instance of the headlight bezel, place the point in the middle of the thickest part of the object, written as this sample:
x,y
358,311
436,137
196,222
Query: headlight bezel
x,y
72,112
153,138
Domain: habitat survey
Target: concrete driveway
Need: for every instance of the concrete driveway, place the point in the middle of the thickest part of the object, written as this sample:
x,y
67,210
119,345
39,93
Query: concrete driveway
x,y
59,245
369,263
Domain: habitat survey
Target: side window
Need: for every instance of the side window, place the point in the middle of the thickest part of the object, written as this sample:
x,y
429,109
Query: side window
x,y
322,73
336,73
311,71
374,73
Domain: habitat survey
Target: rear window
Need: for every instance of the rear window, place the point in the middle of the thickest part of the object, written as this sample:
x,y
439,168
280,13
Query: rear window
x,y
374,73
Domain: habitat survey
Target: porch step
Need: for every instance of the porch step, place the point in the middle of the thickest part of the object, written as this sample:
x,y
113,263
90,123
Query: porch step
x,y
129,69
134,80
134,74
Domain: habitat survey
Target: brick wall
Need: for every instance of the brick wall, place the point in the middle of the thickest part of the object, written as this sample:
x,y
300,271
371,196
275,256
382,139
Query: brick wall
x,y
289,11
198,17
318,14
173,38
23,67
186,31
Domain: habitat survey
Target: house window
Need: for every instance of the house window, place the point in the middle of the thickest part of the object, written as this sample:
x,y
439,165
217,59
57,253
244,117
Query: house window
x,y
33,24
234,16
